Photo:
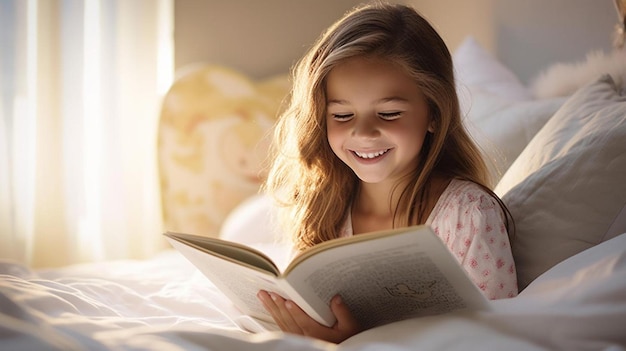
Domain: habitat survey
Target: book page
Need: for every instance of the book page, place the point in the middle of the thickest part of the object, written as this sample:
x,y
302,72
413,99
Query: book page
x,y
388,279
239,282
228,250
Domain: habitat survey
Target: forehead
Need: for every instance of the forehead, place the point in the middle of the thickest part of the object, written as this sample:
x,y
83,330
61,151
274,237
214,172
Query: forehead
x,y
373,77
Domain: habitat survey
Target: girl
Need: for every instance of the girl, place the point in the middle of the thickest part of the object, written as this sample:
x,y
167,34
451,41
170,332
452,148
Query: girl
x,y
373,140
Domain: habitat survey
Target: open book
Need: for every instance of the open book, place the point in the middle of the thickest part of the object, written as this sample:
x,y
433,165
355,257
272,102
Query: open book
x,y
382,277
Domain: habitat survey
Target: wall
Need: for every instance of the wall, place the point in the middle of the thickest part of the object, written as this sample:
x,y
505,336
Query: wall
x,y
560,30
265,38
260,38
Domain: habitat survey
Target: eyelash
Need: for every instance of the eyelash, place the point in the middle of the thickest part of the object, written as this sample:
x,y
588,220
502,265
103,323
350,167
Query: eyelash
x,y
388,116
340,117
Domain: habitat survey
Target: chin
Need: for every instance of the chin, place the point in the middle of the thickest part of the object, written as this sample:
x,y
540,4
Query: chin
x,y
371,179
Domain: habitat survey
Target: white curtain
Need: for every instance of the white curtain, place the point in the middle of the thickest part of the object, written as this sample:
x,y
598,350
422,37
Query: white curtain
x,y
81,86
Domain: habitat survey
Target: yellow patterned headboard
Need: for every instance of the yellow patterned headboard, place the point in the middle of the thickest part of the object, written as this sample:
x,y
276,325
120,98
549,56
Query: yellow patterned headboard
x,y
214,134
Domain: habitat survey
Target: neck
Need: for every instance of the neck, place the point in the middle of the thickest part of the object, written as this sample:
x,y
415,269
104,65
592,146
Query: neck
x,y
373,208
375,204
376,199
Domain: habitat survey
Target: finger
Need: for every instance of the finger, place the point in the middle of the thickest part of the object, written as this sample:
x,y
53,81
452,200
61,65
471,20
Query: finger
x,y
345,321
271,307
305,323
284,308
272,302
282,314
345,327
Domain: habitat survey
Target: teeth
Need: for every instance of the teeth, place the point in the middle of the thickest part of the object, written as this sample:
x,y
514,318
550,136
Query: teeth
x,y
370,154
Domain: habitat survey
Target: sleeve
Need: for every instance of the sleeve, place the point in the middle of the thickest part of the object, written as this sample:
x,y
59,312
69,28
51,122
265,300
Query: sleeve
x,y
475,233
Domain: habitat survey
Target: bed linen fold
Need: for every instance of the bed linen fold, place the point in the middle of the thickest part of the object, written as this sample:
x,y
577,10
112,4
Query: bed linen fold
x,y
165,303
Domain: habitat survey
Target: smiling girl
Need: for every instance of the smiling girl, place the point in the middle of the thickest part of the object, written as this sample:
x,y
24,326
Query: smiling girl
x,y
373,140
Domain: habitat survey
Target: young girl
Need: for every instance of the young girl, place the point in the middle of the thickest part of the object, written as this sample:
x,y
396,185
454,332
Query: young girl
x,y
373,140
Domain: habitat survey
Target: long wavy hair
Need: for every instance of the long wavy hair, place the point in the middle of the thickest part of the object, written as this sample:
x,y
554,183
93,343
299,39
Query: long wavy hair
x,y
313,186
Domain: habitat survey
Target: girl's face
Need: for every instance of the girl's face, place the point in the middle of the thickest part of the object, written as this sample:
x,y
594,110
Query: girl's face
x,y
377,119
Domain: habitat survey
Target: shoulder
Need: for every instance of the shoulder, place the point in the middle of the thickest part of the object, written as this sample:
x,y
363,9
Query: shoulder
x,y
464,198
467,193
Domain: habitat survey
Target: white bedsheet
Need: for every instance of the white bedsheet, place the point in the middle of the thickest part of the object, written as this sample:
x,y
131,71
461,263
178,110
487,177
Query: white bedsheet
x,y
164,303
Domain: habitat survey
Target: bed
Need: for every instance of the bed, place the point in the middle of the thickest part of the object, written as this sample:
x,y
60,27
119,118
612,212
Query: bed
x,y
558,151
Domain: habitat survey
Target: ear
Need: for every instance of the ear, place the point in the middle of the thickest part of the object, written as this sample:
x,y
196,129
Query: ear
x,y
431,126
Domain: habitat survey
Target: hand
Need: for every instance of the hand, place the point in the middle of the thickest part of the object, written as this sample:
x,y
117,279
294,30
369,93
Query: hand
x,y
292,319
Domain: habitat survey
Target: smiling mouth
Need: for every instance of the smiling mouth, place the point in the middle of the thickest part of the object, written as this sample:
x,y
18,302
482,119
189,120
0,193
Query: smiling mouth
x,y
370,155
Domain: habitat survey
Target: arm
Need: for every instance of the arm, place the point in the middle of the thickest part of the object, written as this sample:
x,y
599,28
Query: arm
x,y
471,224
489,261
290,318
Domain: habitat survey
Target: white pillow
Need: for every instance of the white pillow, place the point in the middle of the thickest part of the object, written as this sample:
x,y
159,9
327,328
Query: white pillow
x,y
252,222
502,127
488,92
567,188
475,68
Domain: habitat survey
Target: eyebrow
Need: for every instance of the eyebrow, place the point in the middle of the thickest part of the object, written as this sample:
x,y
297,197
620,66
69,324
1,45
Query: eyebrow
x,y
383,100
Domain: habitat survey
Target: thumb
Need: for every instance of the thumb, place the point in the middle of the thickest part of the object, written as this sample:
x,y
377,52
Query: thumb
x,y
345,320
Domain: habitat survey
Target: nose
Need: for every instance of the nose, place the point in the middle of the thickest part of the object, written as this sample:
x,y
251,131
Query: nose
x,y
366,127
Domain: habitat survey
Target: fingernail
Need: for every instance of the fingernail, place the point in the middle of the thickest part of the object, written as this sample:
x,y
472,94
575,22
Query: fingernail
x,y
273,296
338,300
288,304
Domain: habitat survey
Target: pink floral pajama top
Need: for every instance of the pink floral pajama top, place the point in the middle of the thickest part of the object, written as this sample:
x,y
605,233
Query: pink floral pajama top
x,y
470,223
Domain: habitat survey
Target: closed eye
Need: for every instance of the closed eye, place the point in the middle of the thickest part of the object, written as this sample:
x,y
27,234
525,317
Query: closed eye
x,y
342,116
390,115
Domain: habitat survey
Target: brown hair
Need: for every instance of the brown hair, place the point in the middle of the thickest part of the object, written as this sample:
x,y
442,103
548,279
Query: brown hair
x,y
315,187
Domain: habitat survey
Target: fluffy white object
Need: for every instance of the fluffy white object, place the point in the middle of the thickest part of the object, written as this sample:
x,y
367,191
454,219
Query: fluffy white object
x,y
563,79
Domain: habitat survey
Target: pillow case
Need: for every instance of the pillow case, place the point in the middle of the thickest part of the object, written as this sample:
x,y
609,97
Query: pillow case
x,y
213,141
566,190
475,68
502,128
252,222
488,93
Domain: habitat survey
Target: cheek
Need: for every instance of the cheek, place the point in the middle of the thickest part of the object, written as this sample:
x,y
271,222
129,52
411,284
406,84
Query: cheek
x,y
335,138
411,136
